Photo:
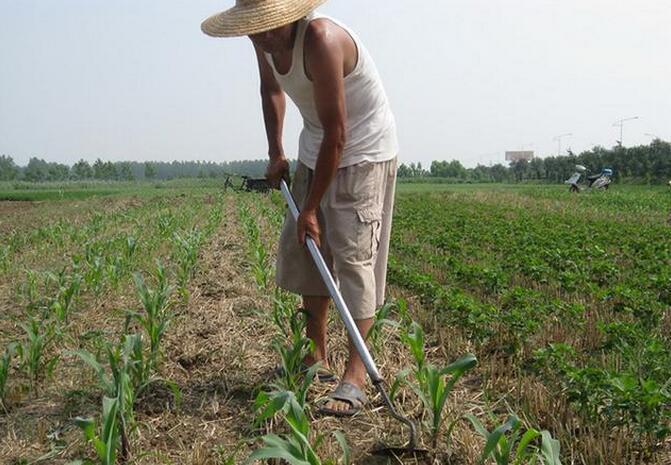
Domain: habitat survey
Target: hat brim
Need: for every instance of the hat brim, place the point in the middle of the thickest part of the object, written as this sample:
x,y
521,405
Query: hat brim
x,y
242,20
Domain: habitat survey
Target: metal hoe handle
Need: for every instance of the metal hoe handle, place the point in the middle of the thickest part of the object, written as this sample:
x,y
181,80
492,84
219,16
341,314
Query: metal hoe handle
x,y
339,302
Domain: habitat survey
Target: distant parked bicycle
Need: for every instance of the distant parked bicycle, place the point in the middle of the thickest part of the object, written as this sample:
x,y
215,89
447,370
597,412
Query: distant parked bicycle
x,y
581,179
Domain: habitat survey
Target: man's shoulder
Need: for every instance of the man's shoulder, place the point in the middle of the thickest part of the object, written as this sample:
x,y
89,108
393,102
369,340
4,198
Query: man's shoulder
x,y
325,36
320,32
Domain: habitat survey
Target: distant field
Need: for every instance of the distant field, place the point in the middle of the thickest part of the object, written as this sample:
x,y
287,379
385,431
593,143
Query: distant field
x,y
565,300
81,190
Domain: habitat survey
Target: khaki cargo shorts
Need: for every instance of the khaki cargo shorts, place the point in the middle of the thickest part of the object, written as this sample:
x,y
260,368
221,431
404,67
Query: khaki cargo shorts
x,y
355,220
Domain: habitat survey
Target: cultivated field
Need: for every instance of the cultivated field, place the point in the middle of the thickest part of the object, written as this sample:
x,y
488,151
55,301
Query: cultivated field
x,y
145,317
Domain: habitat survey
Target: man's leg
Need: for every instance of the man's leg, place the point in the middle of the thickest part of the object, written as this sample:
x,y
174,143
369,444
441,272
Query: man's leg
x,y
355,371
317,309
362,270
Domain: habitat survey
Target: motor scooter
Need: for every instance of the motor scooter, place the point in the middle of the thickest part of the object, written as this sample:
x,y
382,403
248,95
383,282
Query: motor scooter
x,y
595,181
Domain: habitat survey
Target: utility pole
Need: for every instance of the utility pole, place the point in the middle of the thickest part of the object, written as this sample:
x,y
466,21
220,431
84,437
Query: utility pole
x,y
620,123
558,139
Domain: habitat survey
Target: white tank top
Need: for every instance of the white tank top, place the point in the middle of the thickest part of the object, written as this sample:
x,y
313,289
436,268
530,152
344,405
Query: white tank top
x,y
371,129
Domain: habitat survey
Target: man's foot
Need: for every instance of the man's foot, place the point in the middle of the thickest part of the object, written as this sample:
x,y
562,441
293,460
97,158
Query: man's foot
x,y
346,400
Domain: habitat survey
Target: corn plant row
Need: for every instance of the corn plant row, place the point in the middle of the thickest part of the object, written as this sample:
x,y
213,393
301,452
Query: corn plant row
x,y
62,232
132,365
50,297
103,262
287,396
255,247
95,231
287,399
131,369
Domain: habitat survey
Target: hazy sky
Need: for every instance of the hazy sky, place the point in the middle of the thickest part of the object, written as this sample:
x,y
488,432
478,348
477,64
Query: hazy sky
x,y
467,79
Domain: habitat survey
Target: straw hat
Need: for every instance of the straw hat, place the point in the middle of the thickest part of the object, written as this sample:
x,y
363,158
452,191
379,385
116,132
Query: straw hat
x,y
254,16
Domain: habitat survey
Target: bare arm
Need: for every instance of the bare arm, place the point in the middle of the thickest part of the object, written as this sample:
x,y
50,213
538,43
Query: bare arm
x,y
274,107
325,63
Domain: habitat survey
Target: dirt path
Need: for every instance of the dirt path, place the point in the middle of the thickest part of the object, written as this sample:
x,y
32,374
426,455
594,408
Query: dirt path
x,y
210,353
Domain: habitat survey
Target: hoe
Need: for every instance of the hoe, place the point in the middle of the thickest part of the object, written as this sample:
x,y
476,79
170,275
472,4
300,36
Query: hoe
x,y
411,448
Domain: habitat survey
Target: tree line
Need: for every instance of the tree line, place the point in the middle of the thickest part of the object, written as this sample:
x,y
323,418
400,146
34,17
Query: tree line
x,y
649,164
39,170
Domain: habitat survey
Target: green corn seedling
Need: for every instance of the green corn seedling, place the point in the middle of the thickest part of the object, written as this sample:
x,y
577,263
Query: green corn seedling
x,y
293,354
29,289
382,319
68,288
95,273
107,443
284,314
292,357
508,446
262,271
432,387
295,448
186,255
435,389
108,385
399,380
156,304
31,351
77,261
114,269
5,363
269,403
131,246
550,449
414,340
214,218
226,457
166,224
95,225
129,375
127,368
4,258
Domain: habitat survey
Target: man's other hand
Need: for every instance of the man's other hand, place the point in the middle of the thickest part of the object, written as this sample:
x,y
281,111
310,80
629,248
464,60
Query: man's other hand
x,y
308,224
278,168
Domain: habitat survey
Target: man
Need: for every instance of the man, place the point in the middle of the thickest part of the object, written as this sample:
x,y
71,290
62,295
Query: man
x,y
346,171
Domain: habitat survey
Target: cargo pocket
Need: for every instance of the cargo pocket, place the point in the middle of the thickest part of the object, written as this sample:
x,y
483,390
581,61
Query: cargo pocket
x,y
370,226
